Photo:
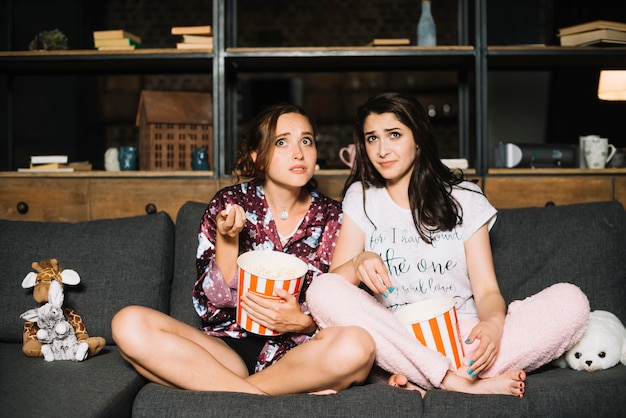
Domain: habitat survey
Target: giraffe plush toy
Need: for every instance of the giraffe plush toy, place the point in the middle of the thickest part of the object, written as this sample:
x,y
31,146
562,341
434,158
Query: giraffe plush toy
x,y
47,272
56,334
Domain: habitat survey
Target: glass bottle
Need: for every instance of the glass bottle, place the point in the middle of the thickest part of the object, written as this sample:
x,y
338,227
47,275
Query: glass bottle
x,y
426,31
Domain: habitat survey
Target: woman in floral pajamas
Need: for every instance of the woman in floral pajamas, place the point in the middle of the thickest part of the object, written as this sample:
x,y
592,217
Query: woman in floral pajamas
x,y
279,210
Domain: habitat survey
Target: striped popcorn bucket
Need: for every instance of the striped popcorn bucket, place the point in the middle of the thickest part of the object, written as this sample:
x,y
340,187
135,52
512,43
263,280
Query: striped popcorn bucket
x,y
263,271
435,324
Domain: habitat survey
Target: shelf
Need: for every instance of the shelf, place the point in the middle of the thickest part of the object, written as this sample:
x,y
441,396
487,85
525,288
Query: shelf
x,y
551,57
140,174
350,58
110,174
162,174
557,171
160,61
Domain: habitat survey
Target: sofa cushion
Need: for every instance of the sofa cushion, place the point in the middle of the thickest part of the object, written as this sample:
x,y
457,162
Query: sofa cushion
x,y
584,244
120,261
550,392
374,400
102,386
185,273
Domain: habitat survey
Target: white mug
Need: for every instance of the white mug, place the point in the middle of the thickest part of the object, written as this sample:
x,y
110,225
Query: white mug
x,y
346,155
111,161
597,152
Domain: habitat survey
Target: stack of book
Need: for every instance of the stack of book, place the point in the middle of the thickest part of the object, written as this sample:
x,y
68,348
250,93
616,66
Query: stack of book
x,y
117,39
389,42
194,37
55,163
597,32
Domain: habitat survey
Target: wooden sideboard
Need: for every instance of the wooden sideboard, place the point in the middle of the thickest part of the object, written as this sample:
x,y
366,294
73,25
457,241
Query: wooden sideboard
x,y
510,188
79,196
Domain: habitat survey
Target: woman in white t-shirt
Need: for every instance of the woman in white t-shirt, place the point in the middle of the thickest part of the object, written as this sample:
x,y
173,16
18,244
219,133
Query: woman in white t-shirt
x,y
413,230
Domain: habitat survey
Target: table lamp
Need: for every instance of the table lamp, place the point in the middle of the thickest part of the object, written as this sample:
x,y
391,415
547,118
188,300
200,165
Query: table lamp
x,y
612,85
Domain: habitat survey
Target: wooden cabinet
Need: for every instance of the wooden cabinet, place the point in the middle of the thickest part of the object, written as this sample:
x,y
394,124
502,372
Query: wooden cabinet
x,y
113,198
73,199
36,199
100,195
521,191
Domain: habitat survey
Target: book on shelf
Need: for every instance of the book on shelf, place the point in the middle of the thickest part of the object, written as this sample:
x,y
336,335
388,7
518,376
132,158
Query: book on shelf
x,y
46,170
192,30
593,25
48,159
197,39
184,45
58,167
389,42
593,37
115,42
115,34
80,165
48,166
195,42
116,48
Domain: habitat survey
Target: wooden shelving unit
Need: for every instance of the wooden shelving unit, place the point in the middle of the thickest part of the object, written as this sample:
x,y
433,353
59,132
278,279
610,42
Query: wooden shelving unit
x,y
472,60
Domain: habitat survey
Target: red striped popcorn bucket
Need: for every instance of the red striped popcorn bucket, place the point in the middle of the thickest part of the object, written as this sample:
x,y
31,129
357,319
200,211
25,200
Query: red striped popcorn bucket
x,y
263,271
435,324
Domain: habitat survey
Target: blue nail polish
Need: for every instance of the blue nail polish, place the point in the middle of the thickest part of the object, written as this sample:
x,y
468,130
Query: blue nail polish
x,y
391,289
473,375
470,371
385,295
471,362
467,341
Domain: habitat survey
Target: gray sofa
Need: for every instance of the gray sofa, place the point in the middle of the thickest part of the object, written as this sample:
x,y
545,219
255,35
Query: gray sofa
x,y
149,260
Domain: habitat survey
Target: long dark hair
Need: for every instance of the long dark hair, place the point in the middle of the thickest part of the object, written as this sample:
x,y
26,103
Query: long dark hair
x,y
259,137
432,206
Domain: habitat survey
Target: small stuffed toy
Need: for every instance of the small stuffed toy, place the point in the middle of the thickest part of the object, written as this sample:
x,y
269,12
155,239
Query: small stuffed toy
x,y
602,346
57,336
48,272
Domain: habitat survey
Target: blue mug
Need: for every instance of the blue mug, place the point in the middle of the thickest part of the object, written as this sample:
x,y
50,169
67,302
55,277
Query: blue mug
x,y
128,158
200,160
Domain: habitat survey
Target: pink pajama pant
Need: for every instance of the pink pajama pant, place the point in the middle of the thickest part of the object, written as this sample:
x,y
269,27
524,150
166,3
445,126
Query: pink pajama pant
x,y
537,329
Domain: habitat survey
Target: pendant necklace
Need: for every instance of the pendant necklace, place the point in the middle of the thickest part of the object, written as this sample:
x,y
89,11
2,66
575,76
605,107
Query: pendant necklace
x,y
284,214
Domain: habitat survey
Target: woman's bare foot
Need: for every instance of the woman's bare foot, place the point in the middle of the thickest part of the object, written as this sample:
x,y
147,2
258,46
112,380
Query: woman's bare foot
x,y
400,381
508,383
324,392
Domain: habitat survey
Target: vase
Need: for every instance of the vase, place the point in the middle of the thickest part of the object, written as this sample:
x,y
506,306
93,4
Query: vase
x,y
426,30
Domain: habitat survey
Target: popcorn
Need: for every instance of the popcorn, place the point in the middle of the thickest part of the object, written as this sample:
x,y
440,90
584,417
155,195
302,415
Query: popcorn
x,y
275,272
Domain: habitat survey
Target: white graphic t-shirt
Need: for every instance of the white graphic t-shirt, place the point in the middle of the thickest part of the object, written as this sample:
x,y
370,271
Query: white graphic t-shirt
x,y
418,270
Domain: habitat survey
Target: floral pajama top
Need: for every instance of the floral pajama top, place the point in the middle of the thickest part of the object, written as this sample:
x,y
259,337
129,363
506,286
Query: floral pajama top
x,y
215,297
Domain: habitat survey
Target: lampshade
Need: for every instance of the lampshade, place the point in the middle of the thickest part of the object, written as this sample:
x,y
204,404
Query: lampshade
x,y
612,85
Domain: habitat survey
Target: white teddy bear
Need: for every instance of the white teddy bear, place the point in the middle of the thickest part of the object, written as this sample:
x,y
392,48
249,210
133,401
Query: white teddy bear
x,y
56,334
602,346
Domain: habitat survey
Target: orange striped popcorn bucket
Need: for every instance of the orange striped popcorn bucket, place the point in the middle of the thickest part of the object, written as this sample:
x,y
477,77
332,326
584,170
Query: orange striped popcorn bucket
x,y
263,271
435,324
